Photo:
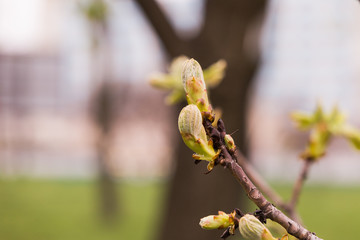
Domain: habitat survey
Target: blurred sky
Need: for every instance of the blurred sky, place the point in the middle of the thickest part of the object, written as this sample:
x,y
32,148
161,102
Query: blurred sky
x,y
310,54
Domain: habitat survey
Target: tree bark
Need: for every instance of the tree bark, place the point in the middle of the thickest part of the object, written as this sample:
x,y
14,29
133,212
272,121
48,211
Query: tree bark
x,y
192,194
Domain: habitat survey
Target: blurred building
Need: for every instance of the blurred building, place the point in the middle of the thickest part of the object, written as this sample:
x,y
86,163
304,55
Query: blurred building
x,y
46,87
310,54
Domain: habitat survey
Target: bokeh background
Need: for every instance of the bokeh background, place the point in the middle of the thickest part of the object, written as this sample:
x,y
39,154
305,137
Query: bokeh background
x,y
89,150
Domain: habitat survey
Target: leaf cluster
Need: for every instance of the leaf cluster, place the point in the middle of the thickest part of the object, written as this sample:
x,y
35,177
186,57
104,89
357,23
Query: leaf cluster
x,y
323,126
172,81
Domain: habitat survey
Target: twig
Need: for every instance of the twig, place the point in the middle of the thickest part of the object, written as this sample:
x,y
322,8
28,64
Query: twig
x,y
269,210
265,188
260,182
252,173
298,186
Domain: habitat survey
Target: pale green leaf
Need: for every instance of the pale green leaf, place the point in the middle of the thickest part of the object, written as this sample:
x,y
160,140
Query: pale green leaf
x,y
214,74
175,97
352,134
303,120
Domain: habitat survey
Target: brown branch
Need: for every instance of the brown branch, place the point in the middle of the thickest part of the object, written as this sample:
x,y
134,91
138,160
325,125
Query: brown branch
x,y
172,43
265,188
298,186
269,210
260,182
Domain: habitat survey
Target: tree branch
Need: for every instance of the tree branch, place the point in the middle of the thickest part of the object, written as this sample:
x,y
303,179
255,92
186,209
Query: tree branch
x,y
173,44
298,185
260,182
269,210
265,188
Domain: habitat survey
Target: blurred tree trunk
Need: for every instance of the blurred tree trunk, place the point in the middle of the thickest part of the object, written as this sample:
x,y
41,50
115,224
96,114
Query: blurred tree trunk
x,y
193,195
103,116
103,106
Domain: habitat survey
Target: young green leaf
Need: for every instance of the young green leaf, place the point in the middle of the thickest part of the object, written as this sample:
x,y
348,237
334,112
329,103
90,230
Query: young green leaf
x,y
323,127
214,74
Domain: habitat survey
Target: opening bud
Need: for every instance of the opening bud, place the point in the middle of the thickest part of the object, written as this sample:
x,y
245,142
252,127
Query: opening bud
x,y
318,142
194,135
194,85
192,70
220,221
229,143
252,229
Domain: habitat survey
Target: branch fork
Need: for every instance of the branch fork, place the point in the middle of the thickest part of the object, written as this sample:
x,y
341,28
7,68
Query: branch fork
x,y
229,161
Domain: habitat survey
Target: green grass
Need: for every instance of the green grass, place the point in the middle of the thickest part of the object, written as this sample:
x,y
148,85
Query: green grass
x,y
68,210
331,212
